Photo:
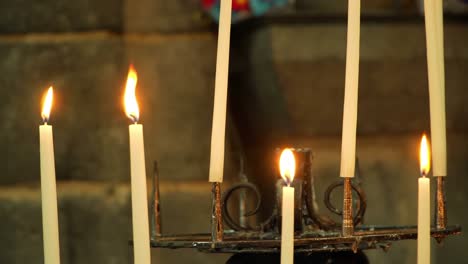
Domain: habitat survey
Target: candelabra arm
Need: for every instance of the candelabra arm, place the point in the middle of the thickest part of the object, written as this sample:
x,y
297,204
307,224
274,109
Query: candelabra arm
x,y
155,205
441,210
348,225
216,215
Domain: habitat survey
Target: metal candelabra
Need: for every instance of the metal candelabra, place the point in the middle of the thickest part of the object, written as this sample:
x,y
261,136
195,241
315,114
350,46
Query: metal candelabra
x,y
313,232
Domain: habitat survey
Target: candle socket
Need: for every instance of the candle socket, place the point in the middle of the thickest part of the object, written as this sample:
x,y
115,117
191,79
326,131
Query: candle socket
x,y
156,229
216,214
441,212
348,224
298,208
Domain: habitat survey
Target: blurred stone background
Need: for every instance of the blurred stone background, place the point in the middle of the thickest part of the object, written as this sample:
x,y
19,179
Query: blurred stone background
x,y
286,89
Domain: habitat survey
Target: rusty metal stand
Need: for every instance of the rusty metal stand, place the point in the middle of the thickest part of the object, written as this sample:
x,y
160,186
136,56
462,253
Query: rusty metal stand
x,y
155,206
441,212
348,225
216,214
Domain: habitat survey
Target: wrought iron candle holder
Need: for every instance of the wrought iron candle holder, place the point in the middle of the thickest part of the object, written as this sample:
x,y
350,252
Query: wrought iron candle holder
x,y
314,232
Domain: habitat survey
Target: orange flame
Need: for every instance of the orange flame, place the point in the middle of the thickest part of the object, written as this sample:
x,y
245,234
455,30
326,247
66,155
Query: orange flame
x,y
424,156
130,101
287,166
47,104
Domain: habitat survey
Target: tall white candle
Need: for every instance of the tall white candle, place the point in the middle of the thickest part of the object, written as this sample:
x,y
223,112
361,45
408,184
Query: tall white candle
x,y
50,227
139,196
350,108
141,242
424,218
433,11
220,97
287,171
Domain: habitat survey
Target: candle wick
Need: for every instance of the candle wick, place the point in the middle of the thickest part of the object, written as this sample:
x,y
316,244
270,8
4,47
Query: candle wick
x,y
288,180
133,118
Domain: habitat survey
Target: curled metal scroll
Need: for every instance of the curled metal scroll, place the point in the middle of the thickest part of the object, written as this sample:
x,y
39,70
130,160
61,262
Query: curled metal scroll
x,y
323,222
361,202
226,215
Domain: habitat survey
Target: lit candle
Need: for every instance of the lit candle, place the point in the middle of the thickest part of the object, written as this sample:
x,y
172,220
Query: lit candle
x,y
433,11
348,144
220,97
287,171
141,243
424,218
50,227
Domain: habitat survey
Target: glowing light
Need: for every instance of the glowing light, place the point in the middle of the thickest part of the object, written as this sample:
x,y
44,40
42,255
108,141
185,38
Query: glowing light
x,y
424,156
287,166
47,104
130,101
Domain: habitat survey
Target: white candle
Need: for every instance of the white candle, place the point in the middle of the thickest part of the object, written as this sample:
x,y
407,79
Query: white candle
x,y
424,218
424,228
220,96
50,227
139,199
141,242
287,171
433,11
287,226
350,108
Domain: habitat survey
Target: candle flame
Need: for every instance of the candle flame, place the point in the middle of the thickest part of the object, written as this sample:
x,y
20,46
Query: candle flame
x,y
47,104
287,166
130,101
424,156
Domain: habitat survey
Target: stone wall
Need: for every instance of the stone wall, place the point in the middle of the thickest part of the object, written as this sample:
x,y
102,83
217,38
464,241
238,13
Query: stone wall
x,y
281,77
84,48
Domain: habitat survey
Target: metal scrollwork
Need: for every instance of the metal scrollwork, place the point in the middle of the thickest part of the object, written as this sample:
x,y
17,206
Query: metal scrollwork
x,y
228,194
310,213
361,202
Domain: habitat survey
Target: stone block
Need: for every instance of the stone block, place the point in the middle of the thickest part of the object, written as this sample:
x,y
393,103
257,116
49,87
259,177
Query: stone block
x,y
95,222
176,91
21,226
164,16
99,222
293,80
60,16
88,72
379,41
367,7
115,16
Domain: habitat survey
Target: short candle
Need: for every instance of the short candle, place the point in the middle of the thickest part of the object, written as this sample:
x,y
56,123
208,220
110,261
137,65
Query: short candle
x,y
287,171
424,218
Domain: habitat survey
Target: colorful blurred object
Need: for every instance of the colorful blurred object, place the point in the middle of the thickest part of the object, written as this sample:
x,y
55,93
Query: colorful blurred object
x,y
242,9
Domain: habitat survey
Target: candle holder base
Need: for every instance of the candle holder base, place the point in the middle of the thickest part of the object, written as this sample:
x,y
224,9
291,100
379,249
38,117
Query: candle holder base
x,y
364,238
314,232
